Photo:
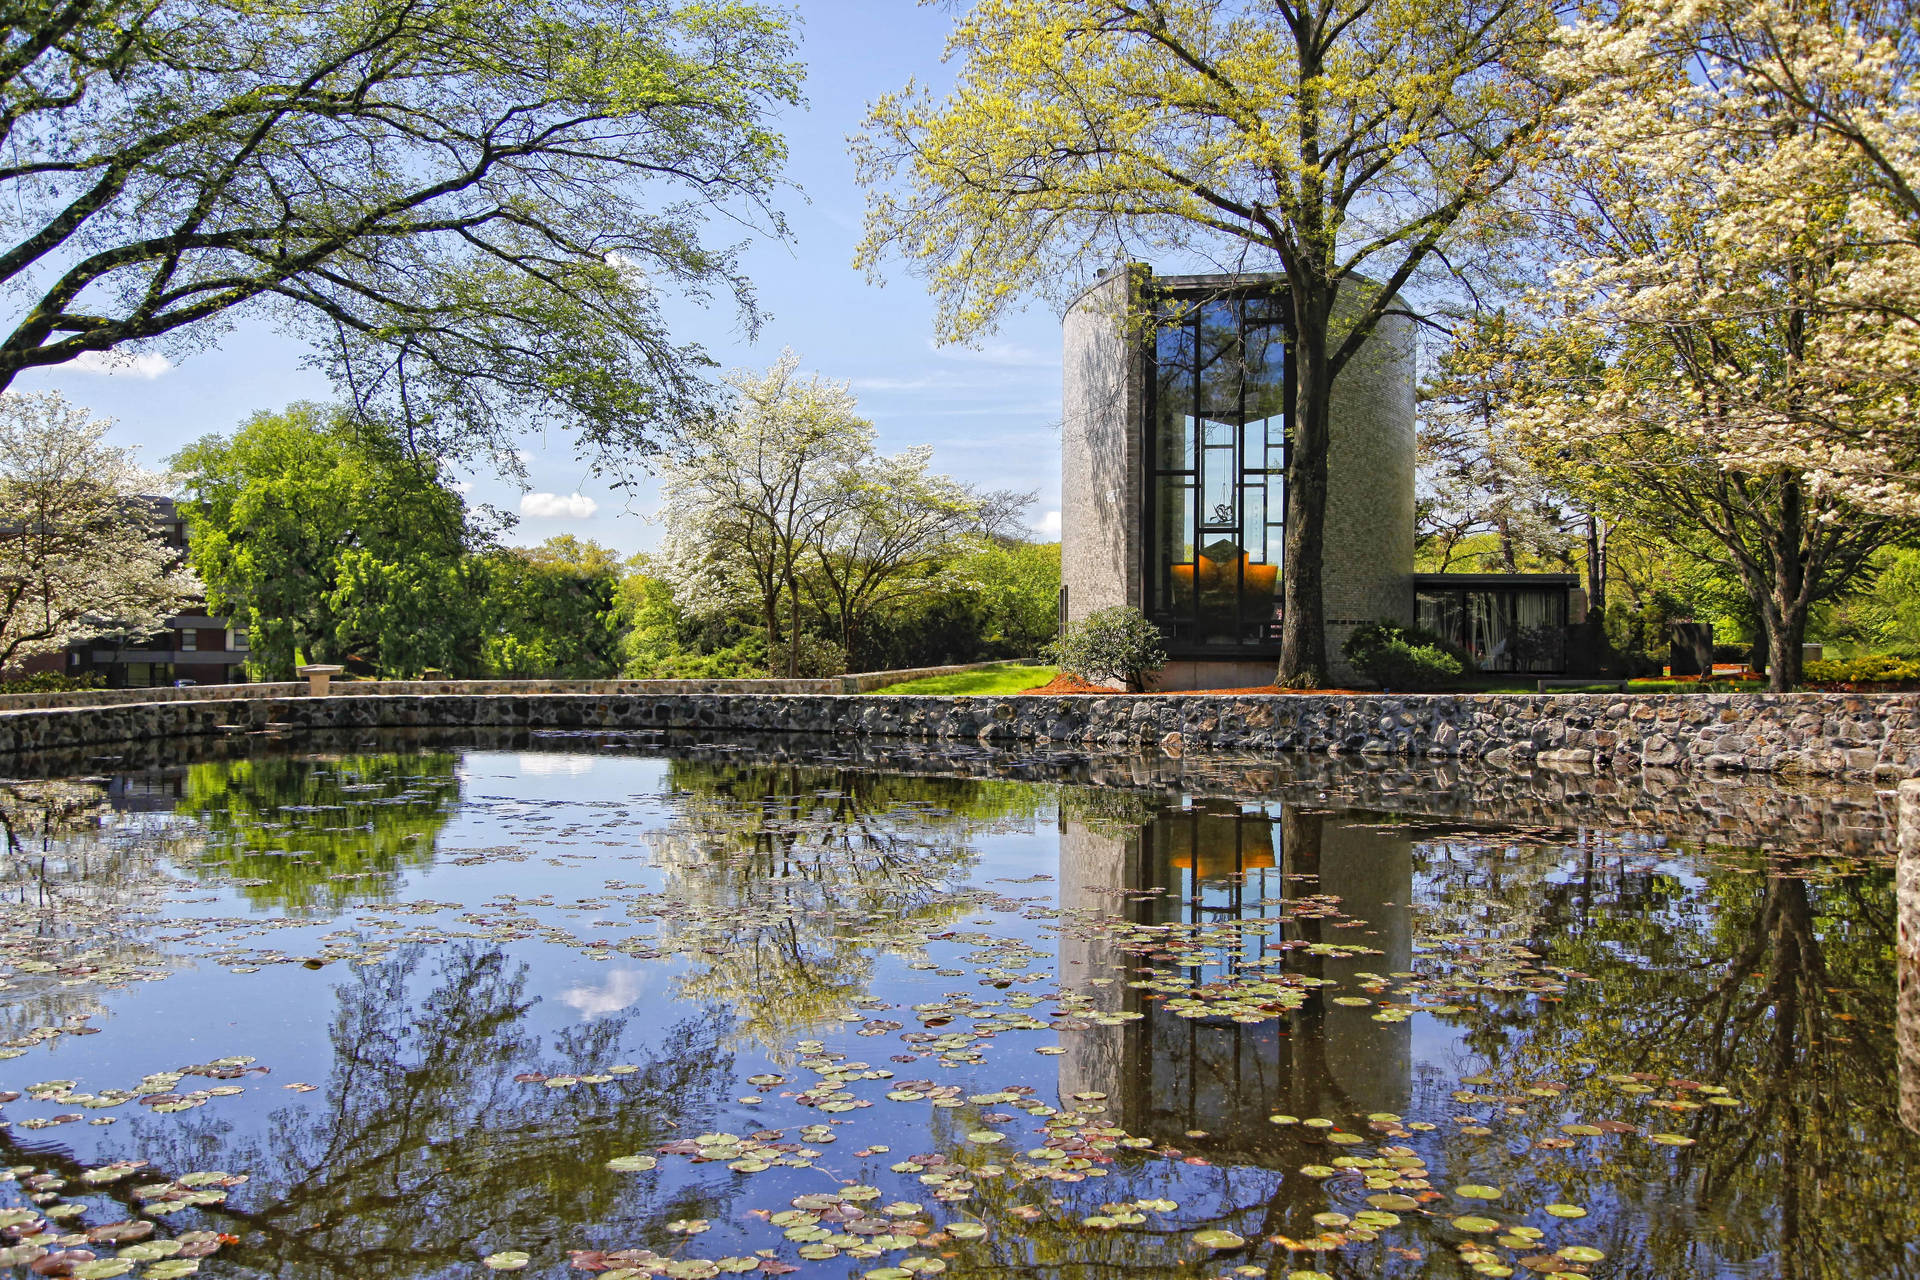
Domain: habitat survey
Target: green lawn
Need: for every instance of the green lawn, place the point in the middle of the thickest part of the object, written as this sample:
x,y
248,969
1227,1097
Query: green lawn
x,y
1004,678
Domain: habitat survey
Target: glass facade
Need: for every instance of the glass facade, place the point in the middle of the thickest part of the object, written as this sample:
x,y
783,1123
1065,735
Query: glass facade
x,y
1216,520
1505,628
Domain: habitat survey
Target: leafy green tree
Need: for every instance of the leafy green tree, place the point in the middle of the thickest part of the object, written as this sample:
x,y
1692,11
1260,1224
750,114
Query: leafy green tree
x,y
329,538
549,610
1343,142
660,639
475,208
998,598
897,524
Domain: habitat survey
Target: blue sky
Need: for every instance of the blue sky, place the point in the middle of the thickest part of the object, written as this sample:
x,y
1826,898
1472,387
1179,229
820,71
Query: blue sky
x,y
992,414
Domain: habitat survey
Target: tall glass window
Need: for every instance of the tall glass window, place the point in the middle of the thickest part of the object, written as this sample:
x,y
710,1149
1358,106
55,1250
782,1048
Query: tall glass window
x,y
1218,510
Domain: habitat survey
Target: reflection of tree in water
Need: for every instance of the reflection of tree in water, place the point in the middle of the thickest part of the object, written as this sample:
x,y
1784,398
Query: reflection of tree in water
x,y
78,885
315,834
1778,987
788,882
422,1152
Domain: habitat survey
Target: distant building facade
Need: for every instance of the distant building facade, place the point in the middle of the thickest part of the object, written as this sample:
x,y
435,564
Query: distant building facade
x,y
1178,399
192,646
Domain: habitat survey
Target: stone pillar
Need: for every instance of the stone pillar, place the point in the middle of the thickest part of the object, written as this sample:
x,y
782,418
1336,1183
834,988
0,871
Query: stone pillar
x,y
1906,882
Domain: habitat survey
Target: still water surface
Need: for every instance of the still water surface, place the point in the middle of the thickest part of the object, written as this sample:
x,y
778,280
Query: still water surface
x,y
570,1011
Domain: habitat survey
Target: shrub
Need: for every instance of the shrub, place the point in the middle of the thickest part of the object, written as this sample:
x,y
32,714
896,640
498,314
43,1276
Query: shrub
x,y
1116,643
50,682
1395,657
1875,669
819,657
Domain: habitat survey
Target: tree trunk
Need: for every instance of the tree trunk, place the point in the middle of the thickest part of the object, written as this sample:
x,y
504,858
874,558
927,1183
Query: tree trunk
x,y
793,628
1785,630
1303,631
770,611
1782,602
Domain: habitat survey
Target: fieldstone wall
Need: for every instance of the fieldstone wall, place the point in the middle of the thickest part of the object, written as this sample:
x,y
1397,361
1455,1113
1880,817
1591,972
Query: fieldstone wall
x,y
1868,736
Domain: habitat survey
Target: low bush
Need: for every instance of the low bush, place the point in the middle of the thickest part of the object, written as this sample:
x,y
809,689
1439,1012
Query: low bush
x,y
819,657
50,682
1116,643
1406,658
1874,669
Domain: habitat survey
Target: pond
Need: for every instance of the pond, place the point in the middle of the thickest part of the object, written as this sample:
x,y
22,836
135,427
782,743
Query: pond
x,y
577,1007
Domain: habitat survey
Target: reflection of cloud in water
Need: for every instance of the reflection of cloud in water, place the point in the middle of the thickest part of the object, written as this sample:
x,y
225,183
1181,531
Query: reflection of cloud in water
x,y
621,989
555,762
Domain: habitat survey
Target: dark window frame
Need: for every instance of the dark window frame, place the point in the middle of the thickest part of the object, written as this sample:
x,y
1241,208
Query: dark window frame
x,y
1505,597
1255,637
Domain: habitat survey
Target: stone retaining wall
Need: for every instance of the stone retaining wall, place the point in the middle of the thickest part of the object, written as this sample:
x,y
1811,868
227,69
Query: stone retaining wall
x,y
1874,736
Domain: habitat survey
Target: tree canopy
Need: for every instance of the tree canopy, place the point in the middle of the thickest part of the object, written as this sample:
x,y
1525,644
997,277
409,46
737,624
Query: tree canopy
x,y
1344,141
318,530
476,209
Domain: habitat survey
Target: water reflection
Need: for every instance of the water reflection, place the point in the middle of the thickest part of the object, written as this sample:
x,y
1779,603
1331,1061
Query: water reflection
x,y
1727,971
422,1151
1468,987
792,882
1212,860
314,833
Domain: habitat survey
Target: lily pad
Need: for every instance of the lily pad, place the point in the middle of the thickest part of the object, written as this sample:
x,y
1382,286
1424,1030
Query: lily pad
x,y
1215,1238
506,1260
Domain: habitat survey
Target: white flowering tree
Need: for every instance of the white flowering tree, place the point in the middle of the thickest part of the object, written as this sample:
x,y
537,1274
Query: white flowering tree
x,y
750,492
1787,136
1685,371
80,555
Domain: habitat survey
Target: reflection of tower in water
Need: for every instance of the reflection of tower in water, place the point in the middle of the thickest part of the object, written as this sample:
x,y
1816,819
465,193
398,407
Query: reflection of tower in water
x,y
1216,863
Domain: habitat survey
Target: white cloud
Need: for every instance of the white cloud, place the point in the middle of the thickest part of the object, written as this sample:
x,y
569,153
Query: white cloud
x,y
999,353
1048,525
621,990
555,506
555,763
461,486
148,365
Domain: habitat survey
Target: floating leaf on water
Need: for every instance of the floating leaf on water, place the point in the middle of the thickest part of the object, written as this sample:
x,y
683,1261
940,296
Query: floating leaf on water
x,y
1318,1170
966,1230
1394,1202
1475,1191
1475,1224
986,1136
171,1269
1566,1211
1576,1253
1215,1238
507,1260
1670,1139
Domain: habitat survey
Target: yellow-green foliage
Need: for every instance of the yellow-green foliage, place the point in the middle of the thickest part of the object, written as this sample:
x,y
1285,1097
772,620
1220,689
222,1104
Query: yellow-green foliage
x,y
1877,669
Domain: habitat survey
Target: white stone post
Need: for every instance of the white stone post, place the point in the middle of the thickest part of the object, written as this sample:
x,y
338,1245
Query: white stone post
x,y
319,678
